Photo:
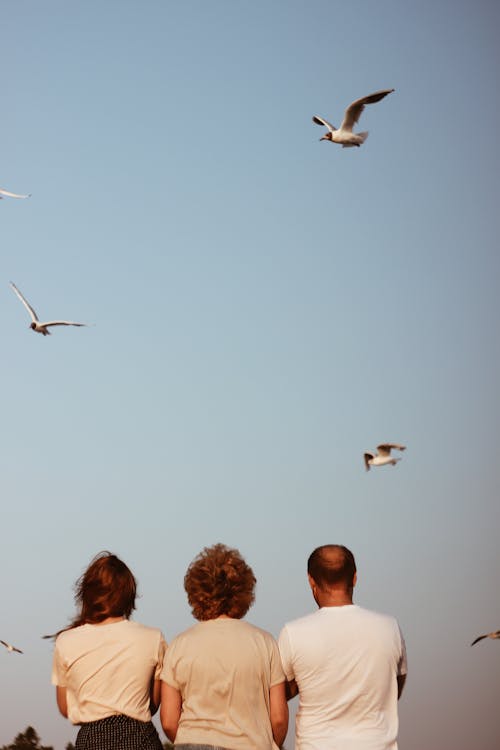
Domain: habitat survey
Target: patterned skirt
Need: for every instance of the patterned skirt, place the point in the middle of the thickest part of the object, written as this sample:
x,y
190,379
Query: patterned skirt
x,y
118,733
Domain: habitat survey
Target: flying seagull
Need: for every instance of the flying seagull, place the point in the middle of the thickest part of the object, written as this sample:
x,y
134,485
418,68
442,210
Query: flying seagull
x,y
12,195
344,134
383,455
38,325
496,634
11,648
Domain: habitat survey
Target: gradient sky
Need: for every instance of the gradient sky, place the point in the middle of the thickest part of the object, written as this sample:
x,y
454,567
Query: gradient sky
x,y
266,308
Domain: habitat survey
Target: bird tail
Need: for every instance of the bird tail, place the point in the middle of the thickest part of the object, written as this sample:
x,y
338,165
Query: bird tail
x,y
363,136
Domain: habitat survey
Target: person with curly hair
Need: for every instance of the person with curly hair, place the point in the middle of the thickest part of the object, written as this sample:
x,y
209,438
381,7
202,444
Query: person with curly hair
x,y
223,685
106,668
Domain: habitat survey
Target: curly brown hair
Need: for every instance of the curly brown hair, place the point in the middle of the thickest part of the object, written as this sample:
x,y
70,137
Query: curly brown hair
x,y
219,582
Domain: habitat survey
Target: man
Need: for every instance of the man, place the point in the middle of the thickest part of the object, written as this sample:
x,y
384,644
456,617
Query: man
x,y
347,664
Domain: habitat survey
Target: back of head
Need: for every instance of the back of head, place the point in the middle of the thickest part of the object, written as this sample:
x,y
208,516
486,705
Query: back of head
x,y
219,582
106,589
332,566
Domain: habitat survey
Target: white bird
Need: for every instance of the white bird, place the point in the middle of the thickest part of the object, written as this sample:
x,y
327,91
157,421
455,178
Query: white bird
x,y
12,195
344,134
496,634
383,455
11,648
37,325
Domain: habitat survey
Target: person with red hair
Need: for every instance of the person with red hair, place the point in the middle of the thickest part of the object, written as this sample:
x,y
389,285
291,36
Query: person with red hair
x,y
222,682
106,667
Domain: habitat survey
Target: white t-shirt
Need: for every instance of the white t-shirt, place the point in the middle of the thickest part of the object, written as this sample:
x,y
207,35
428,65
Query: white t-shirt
x,y
107,669
345,661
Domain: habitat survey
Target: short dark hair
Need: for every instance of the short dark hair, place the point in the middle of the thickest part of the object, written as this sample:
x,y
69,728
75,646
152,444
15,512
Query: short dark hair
x,y
332,565
219,582
106,589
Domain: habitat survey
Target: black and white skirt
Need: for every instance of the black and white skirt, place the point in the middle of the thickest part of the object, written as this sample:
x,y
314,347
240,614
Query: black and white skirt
x,y
118,733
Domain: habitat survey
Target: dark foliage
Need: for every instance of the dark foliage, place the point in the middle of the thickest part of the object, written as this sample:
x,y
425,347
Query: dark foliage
x,y
27,740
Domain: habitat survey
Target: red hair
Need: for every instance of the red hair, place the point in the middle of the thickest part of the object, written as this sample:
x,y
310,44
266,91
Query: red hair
x,y
106,589
219,582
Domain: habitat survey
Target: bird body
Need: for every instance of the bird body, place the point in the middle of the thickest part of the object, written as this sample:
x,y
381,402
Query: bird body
x,y
12,195
494,635
383,455
38,325
10,648
344,135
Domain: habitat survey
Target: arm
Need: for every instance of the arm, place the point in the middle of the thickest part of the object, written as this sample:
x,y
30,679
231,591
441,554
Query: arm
x,y
278,710
154,696
401,683
170,710
62,703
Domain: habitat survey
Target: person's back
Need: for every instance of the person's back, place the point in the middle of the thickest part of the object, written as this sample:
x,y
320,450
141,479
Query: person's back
x,y
107,669
224,669
347,664
223,685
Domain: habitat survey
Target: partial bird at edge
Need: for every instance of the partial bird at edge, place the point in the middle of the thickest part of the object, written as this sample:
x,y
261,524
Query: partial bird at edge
x,y
494,635
8,194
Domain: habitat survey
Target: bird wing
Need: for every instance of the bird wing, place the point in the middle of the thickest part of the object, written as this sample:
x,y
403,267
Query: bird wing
x,y
367,457
4,644
385,448
478,639
354,110
321,121
61,323
13,195
17,649
25,302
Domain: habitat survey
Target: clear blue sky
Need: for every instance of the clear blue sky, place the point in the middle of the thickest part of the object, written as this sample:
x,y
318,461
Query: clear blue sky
x,y
266,308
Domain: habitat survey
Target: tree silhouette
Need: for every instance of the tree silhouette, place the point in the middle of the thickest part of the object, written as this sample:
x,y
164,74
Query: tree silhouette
x,y
27,740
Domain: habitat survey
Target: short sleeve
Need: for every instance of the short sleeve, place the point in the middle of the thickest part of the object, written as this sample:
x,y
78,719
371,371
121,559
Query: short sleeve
x,y
403,663
286,654
58,669
277,674
162,649
167,673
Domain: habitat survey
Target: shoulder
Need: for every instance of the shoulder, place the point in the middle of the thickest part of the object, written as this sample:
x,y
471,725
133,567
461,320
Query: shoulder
x,y
140,628
373,615
195,631
144,632
255,630
70,635
305,622
380,623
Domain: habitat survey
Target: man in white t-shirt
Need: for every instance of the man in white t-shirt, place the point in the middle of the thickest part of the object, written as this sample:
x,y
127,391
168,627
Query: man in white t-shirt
x,y
347,664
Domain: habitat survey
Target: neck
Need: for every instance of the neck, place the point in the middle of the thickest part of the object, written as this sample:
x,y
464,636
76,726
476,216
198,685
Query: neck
x,y
333,598
110,620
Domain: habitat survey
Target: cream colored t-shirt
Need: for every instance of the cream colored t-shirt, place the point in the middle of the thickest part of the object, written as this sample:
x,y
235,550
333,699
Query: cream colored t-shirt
x,y
107,669
224,670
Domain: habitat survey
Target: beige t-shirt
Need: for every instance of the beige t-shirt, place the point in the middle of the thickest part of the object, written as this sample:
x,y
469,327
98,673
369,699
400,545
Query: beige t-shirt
x,y
107,669
224,670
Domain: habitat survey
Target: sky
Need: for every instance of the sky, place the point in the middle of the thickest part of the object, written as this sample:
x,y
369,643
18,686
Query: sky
x,y
265,307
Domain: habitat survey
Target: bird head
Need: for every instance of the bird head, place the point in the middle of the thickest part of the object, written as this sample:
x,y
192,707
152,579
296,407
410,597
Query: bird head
x,y
326,137
33,326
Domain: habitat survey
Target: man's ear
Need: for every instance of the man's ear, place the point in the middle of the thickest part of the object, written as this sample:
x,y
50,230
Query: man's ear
x,y
354,580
